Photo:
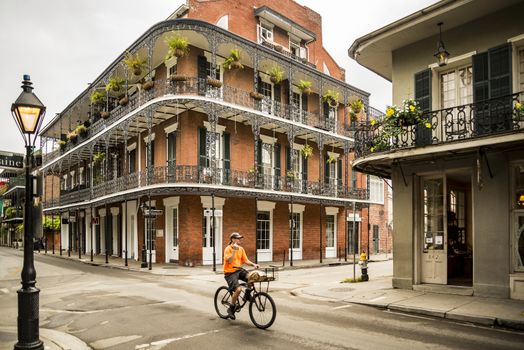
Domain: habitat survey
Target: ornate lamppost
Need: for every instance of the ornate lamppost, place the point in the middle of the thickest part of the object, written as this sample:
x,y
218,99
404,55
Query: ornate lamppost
x,y
28,113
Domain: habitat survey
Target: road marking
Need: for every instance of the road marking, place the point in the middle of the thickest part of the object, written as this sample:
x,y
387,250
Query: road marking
x,y
341,307
377,299
409,315
160,343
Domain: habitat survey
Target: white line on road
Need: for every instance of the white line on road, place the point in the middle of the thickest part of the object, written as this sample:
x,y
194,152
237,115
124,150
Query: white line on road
x,y
342,307
160,343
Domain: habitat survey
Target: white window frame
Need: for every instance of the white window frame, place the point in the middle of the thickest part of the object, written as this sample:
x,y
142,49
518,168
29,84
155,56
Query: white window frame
x,y
376,189
81,176
170,64
265,27
73,184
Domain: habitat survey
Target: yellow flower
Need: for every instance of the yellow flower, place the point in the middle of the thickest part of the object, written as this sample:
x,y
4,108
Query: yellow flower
x,y
390,111
372,149
373,122
428,125
412,108
518,105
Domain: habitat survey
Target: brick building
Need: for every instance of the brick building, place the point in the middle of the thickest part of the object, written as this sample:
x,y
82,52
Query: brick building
x,y
221,136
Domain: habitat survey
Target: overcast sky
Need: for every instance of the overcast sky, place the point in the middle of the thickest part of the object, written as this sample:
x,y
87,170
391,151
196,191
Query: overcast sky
x,y
65,44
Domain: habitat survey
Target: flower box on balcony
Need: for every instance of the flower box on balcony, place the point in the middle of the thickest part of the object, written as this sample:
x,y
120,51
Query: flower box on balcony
x,y
214,83
256,95
148,85
178,77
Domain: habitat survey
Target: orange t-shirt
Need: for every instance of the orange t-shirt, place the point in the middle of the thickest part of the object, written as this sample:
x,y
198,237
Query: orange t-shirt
x,y
238,260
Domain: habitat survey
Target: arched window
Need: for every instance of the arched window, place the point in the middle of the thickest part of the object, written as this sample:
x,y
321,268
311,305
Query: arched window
x,y
223,22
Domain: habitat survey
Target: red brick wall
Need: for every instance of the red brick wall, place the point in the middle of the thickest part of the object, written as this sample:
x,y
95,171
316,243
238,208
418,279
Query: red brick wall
x,y
243,22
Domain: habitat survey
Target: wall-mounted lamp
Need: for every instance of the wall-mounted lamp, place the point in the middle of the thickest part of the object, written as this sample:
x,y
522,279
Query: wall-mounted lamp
x,y
442,55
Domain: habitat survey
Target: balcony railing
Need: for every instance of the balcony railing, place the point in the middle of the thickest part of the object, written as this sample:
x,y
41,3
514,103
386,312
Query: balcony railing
x,y
190,174
199,87
471,121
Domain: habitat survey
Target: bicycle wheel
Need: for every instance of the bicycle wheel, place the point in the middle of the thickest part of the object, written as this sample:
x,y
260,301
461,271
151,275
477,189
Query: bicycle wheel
x,y
222,301
262,310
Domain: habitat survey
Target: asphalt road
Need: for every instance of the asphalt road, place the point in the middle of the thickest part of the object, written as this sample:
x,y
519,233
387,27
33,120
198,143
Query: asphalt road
x,y
117,309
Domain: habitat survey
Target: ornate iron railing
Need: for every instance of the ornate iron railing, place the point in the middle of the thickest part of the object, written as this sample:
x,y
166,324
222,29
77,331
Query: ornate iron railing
x,y
489,117
191,174
200,87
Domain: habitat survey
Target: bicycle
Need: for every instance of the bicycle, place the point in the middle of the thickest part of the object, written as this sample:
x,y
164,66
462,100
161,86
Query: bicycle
x,y
262,309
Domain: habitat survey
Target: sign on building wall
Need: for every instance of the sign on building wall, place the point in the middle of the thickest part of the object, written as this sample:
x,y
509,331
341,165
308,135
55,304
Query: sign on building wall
x,y
209,212
11,160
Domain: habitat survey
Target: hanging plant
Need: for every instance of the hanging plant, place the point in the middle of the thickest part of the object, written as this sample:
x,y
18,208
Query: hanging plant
x,y
518,112
62,144
355,108
331,158
178,46
135,63
87,123
178,77
99,157
307,151
291,175
81,130
214,83
331,97
97,98
115,84
305,86
123,101
72,136
233,61
104,115
276,74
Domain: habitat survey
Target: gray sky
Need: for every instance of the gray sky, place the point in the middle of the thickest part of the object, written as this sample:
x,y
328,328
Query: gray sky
x,y
65,44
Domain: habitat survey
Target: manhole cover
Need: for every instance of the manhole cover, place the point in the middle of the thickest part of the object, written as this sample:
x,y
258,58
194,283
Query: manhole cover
x,y
342,289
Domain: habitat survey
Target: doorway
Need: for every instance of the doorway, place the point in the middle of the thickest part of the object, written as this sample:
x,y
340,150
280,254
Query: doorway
x,y
447,251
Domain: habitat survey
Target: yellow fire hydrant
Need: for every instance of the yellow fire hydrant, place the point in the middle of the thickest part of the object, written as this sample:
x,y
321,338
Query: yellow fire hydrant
x,y
364,266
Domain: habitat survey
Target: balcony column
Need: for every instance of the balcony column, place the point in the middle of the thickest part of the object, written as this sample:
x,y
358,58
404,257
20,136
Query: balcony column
x,y
291,73
347,150
149,181
125,173
320,142
214,45
345,97
211,138
106,162
69,228
59,202
255,71
91,166
321,117
255,127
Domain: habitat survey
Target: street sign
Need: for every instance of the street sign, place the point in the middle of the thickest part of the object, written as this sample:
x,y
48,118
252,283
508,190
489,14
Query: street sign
x,y
153,212
209,212
11,160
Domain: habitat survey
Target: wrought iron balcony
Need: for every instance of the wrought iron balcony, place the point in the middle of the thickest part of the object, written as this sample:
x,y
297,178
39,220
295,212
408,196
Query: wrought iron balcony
x,y
191,174
495,116
199,87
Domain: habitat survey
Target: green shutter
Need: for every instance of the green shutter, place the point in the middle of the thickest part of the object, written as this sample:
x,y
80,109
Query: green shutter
x,y
423,97
480,77
277,166
202,159
304,102
288,159
326,169
304,169
500,71
227,157
339,172
278,92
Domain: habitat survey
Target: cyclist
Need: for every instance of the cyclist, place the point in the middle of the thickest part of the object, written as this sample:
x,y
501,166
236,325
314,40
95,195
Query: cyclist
x,y
234,257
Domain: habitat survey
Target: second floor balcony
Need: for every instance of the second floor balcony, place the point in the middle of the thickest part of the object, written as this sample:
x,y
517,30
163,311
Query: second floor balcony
x,y
486,122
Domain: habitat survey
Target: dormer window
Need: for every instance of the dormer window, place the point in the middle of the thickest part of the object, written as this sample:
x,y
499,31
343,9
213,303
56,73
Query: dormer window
x,y
265,32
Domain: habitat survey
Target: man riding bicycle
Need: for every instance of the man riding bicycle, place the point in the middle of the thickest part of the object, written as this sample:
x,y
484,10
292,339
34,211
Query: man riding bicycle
x,y
234,257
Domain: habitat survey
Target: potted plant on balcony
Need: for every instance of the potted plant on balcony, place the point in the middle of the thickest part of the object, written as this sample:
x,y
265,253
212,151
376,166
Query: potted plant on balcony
x,y
331,158
291,175
148,84
135,63
410,114
518,112
178,46
178,77
97,98
123,101
305,86
276,74
355,108
62,144
233,61
81,130
214,83
307,151
115,84
87,123
256,95
72,136
105,114
331,97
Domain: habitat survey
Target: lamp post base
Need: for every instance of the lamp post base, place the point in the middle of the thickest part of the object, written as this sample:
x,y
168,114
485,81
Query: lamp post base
x,y
143,264
28,330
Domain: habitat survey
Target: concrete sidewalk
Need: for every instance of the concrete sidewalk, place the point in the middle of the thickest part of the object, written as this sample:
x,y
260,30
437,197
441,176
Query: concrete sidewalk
x,y
377,292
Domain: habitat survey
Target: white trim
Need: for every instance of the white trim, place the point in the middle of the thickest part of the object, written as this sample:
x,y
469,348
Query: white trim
x,y
265,206
298,147
350,217
219,128
169,129
114,211
102,212
297,208
331,211
131,147
147,138
453,62
268,139
207,202
169,64
171,201
515,39
153,203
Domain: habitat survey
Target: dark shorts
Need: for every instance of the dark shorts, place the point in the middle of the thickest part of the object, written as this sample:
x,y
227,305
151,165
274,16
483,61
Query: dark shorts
x,y
234,277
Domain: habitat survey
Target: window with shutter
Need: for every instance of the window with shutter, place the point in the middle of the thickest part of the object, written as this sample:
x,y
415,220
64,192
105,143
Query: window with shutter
x,y
227,157
423,97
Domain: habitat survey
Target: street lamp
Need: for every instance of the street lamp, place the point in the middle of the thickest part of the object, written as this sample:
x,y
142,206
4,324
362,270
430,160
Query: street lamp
x,y
28,113
441,55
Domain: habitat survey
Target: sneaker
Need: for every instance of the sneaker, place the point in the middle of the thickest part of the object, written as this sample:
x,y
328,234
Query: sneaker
x,y
231,312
